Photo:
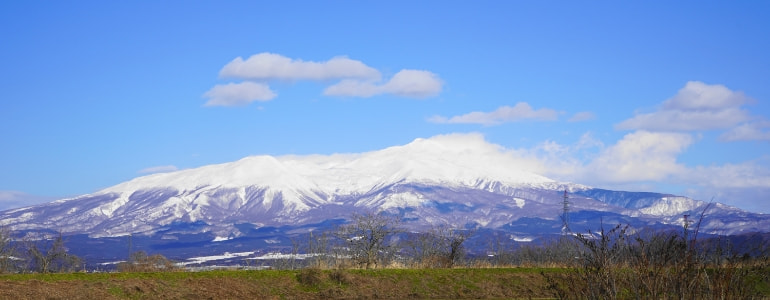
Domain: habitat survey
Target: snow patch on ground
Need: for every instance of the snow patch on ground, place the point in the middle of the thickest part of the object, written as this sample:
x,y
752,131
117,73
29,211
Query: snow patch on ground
x,y
221,239
519,202
671,206
522,238
274,255
203,259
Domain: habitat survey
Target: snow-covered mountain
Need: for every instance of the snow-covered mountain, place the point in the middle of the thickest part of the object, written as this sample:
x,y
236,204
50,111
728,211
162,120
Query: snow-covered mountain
x,y
463,181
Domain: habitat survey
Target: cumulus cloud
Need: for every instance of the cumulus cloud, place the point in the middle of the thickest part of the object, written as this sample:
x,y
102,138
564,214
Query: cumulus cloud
x,y
414,83
744,184
356,79
238,94
748,132
15,199
749,174
270,66
504,114
697,106
158,169
751,199
644,160
696,95
406,83
582,116
566,162
639,161
681,120
641,156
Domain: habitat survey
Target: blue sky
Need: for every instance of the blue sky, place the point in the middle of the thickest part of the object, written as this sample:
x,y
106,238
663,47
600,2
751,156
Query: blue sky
x,y
658,96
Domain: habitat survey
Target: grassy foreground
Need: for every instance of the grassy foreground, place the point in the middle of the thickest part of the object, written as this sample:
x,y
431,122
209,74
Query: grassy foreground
x,y
496,283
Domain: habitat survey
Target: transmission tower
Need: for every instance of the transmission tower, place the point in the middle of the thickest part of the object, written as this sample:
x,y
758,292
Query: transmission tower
x,y
565,214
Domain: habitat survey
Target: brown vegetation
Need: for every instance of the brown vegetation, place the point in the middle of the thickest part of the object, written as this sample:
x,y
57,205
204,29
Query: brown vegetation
x,y
612,264
372,257
274,284
141,262
368,239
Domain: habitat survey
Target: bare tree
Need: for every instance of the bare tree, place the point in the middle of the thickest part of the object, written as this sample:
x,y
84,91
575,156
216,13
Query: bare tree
x,y
318,247
424,249
441,247
454,240
140,261
648,264
368,238
50,255
8,253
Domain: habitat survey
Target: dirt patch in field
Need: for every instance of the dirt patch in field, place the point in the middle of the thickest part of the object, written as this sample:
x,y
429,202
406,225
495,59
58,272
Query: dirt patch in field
x,y
335,284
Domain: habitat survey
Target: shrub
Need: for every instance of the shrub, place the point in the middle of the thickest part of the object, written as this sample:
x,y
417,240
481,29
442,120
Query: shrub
x,y
310,276
659,265
341,277
141,262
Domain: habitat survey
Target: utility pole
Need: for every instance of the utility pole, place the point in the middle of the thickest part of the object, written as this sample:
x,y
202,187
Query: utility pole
x,y
686,226
130,246
565,215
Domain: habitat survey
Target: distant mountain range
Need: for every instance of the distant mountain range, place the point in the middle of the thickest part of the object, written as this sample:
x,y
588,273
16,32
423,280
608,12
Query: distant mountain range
x,y
260,202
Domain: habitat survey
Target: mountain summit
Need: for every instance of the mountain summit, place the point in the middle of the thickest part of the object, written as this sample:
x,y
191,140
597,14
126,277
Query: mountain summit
x,y
450,159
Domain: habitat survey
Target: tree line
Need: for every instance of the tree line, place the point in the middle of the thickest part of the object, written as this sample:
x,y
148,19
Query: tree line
x,y
377,240
39,253
613,262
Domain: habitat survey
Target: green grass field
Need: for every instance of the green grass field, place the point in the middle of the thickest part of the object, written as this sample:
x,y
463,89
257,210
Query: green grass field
x,y
457,283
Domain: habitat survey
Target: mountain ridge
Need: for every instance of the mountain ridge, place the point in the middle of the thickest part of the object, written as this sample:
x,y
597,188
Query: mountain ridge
x,y
463,181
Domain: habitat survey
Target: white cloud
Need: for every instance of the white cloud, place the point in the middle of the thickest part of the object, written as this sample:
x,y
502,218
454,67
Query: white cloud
x,y
641,156
748,132
751,199
566,162
504,114
406,83
697,106
158,169
15,199
588,141
353,88
750,174
414,83
696,95
648,161
10,195
270,66
356,79
686,120
238,94
745,184
640,159
582,116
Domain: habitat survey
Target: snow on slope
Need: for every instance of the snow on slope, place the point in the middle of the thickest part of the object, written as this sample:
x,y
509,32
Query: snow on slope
x,y
281,189
450,179
458,159
671,206
463,159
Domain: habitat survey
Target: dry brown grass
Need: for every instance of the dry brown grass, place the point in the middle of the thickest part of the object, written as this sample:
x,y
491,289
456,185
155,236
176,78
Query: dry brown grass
x,y
270,284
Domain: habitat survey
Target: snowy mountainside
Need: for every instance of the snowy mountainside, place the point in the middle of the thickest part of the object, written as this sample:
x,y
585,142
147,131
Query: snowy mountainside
x,y
425,160
442,180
